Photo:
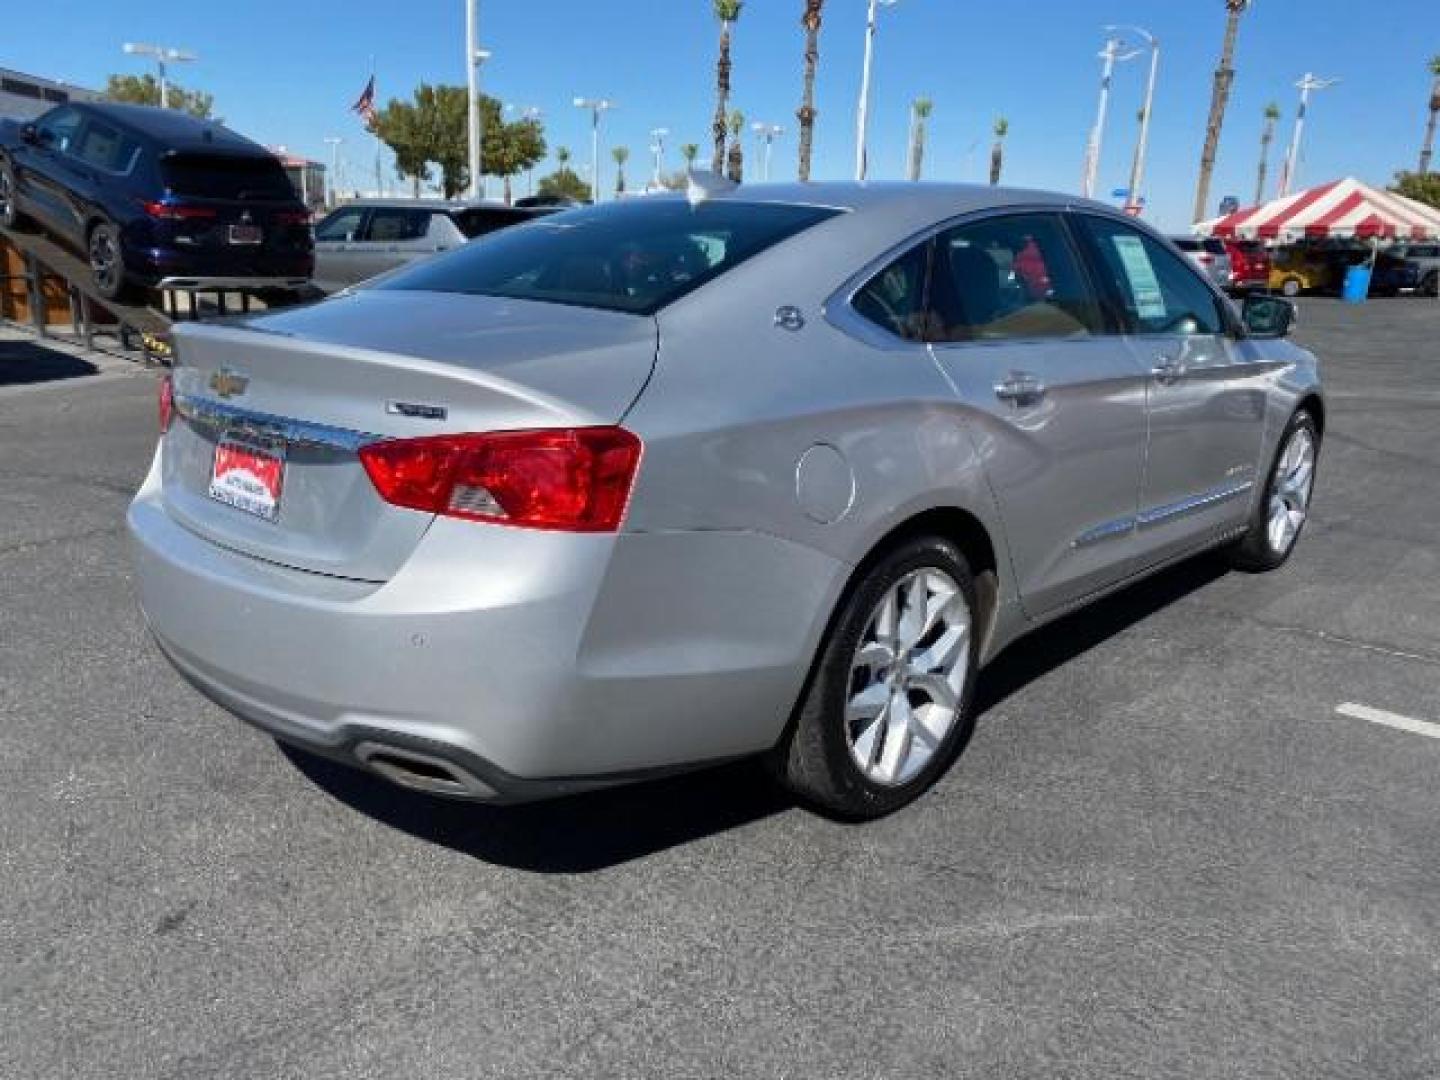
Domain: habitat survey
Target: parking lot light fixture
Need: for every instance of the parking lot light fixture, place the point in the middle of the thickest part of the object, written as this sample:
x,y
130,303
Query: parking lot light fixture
x,y
1292,158
334,142
162,55
1137,170
766,134
657,147
1110,55
596,107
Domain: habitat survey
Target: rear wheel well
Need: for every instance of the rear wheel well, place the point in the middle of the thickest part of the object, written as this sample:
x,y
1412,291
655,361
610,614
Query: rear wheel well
x,y
966,532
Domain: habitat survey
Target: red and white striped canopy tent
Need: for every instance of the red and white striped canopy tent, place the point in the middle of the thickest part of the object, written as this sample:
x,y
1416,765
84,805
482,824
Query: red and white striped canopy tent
x,y
1342,209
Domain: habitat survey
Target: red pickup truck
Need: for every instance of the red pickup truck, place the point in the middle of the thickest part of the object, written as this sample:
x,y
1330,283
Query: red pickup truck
x,y
1249,265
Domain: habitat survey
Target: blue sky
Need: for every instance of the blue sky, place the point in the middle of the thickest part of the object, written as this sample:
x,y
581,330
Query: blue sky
x,y
285,73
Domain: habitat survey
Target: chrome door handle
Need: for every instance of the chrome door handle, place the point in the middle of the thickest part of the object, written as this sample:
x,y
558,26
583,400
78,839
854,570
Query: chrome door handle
x,y
1021,388
1168,370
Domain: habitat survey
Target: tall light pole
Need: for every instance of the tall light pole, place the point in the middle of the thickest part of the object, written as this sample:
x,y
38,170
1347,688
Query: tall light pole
x,y
1137,170
862,116
596,106
1292,158
162,55
766,134
334,142
1110,55
657,146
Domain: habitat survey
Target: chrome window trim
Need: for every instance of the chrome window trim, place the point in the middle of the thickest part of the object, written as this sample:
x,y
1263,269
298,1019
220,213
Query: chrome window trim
x,y
207,413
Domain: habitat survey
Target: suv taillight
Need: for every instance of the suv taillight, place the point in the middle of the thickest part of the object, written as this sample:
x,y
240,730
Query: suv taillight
x,y
167,403
291,217
567,479
165,211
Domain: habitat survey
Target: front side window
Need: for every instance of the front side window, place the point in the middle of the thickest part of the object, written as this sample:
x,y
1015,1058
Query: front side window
x,y
391,224
1159,293
1008,278
895,298
341,225
633,257
57,130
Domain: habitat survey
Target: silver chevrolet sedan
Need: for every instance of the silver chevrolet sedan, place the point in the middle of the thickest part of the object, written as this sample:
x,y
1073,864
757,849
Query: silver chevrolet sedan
x,y
645,486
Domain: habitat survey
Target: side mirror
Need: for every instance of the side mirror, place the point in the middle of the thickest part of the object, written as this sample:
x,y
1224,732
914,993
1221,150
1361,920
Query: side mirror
x,y
1268,316
29,133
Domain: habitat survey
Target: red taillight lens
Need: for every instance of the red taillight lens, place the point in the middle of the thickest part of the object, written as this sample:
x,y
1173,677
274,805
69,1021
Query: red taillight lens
x,y
175,212
167,403
290,217
571,479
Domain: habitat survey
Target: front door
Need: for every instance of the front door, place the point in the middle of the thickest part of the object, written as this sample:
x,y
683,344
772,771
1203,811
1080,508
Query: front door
x,y
336,240
1205,394
41,168
1059,400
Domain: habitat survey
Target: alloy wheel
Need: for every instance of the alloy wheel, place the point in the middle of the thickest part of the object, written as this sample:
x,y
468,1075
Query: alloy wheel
x,y
907,677
1290,490
103,258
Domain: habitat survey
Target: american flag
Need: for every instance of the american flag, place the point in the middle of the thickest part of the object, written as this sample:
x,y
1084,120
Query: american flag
x,y
365,105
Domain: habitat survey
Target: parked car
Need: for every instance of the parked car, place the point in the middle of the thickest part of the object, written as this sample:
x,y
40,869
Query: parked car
x,y
154,197
654,484
1294,270
1249,264
362,239
1210,256
1427,258
1393,274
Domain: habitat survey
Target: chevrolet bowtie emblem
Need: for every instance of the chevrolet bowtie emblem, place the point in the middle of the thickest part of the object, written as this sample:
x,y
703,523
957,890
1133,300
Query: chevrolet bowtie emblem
x,y
228,384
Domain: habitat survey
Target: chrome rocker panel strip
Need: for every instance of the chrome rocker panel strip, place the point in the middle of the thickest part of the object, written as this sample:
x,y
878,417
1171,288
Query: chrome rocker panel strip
x,y
1158,515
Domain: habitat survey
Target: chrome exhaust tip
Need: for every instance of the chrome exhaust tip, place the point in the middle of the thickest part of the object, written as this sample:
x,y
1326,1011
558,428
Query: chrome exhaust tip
x,y
422,772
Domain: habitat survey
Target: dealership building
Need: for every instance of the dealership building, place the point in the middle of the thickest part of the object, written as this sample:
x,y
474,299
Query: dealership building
x,y
24,97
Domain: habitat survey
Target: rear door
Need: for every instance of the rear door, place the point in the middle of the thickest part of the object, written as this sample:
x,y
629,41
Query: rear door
x,y
1059,399
1205,390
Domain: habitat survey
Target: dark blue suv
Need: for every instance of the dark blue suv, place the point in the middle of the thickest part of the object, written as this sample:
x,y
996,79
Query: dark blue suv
x,y
154,197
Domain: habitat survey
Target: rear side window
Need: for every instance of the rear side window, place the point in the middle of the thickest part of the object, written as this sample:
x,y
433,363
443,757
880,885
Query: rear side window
x,y
391,224
475,223
895,299
106,148
634,257
1010,278
1159,293
225,176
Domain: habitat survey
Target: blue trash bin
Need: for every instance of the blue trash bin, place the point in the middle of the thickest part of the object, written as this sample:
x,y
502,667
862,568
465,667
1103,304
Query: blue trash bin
x,y
1357,284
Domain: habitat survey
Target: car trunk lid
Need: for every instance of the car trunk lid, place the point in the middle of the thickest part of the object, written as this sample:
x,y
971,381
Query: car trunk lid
x,y
304,389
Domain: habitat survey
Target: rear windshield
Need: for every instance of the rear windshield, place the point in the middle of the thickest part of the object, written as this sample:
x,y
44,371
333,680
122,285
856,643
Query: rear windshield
x,y
635,256
226,177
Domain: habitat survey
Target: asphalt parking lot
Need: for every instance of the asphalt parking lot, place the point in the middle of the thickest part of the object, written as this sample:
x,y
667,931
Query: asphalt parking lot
x,y
1165,854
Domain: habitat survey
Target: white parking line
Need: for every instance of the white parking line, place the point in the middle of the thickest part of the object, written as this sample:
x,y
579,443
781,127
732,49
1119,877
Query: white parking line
x,y
1389,719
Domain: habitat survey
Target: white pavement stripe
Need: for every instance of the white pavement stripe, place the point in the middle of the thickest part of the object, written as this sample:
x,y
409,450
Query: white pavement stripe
x,y
1389,719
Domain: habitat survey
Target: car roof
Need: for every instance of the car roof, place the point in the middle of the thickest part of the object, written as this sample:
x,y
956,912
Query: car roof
x,y
175,129
435,204
941,198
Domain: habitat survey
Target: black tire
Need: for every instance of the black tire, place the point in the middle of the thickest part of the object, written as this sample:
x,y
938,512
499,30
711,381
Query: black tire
x,y
9,212
1431,285
1291,287
107,265
814,758
1255,552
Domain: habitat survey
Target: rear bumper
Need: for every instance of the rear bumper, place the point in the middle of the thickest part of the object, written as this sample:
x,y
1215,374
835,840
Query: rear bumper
x,y
539,663
172,268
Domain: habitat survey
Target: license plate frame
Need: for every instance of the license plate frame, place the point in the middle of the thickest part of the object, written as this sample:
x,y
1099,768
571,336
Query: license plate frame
x,y
246,234
247,474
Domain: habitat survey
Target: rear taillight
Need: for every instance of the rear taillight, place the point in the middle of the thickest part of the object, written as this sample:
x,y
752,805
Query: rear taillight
x,y
164,211
569,479
167,403
290,217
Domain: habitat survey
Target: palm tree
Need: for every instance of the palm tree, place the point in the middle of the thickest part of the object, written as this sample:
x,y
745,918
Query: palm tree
x,y
997,152
1267,136
920,110
727,11
1428,147
814,11
689,152
1219,98
736,163
621,154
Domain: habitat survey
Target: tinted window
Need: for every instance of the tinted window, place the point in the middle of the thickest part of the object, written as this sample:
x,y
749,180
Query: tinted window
x,y
1010,277
635,257
475,223
57,129
223,176
894,299
391,224
1159,293
343,224
106,148
1215,247
1184,243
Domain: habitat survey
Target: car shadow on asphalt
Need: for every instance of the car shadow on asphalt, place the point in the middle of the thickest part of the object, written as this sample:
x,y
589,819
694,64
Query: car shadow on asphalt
x,y
25,362
597,830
